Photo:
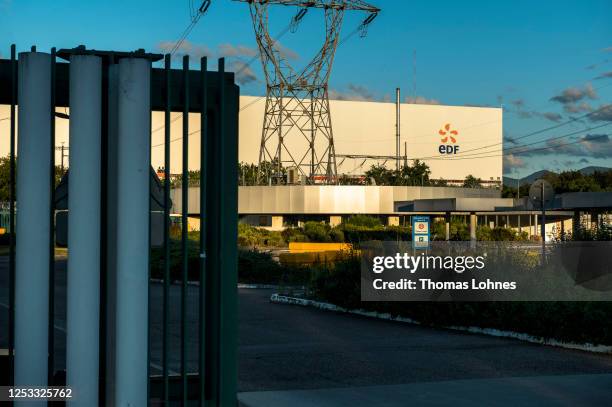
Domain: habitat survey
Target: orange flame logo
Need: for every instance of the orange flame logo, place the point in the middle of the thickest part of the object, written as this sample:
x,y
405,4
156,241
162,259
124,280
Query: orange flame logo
x,y
447,133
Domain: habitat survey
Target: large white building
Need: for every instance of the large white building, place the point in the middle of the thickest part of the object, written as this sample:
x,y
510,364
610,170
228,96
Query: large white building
x,y
368,128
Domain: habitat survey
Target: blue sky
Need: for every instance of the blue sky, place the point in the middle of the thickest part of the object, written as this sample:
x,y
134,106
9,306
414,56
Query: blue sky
x,y
544,61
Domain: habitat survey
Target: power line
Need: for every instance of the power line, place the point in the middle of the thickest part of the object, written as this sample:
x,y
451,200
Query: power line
x,y
176,139
535,133
245,66
518,149
195,18
342,41
526,151
519,153
163,126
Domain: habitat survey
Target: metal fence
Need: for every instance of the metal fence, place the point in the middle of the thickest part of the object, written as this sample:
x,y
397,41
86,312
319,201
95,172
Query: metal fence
x,y
111,96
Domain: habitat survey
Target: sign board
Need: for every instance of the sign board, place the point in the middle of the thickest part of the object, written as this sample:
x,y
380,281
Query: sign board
x,y
541,194
420,232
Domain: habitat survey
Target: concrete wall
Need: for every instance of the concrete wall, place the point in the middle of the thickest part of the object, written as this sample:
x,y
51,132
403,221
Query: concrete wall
x,y
329,200
461,204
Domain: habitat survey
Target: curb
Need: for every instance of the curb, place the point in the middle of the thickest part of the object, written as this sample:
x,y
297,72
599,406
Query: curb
x,y
258,286
586,347
240,285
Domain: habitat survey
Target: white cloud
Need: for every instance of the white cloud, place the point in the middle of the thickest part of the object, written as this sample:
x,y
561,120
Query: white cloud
x,y
353,92
513,163
421,100
185,48
229,50
244,73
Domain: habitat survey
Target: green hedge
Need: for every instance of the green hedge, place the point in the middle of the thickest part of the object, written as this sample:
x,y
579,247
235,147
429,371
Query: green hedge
x,y
358,234
579,322
357,229
255,267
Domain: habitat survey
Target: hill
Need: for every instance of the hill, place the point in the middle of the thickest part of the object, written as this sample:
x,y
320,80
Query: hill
x,y
511,182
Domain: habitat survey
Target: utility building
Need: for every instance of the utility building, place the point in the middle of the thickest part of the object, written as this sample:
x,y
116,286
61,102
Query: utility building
x,y
368,129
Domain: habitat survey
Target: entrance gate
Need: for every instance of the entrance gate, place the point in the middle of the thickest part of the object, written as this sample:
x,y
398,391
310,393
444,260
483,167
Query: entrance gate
x,y
109,294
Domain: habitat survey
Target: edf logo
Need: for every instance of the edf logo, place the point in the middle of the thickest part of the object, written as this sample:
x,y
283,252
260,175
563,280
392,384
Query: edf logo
x,y
448,140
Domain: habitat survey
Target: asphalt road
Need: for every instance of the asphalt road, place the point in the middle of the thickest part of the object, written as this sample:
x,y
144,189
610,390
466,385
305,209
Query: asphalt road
x,y
285,347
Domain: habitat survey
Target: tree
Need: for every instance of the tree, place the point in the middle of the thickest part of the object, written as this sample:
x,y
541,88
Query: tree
x,y
247,174
4,179
267,171
472,182
415,175
192,176
379,175
5,168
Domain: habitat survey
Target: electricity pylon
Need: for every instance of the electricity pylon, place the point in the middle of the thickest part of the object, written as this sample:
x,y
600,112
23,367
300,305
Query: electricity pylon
x,y
297,130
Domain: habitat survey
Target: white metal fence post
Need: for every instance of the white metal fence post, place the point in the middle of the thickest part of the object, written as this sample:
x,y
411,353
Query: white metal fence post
x,y
83,290
33,220
134,148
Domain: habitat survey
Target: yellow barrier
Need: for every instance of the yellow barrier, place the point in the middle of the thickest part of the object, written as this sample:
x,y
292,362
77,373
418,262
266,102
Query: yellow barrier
x,y
311,253
300,247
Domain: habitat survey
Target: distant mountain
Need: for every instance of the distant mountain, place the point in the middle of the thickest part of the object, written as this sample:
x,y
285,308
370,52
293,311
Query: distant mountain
x,y
511,182
592,169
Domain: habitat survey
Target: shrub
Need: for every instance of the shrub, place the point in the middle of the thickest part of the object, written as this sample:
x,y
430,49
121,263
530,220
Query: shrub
x,y
338,283
336,235
363,220
357,234
294,235
257,267
176,260
317,232
499,234
249,236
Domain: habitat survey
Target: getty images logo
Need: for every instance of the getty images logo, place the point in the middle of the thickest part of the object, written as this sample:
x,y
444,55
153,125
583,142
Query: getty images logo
x,y
449,140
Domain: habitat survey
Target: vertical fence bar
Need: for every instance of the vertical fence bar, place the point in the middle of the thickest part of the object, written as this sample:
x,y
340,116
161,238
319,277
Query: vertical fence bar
x,y
11,346
84,202
110,126
105,172
33,229
149,252
228,229
203,223
166,295
184,228
133,223
212,296
51,338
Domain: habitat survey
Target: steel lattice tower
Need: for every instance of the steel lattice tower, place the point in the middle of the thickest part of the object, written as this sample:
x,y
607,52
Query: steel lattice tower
x,y
297,102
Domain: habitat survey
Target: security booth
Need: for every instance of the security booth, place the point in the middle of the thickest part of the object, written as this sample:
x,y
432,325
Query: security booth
x,y
112,355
